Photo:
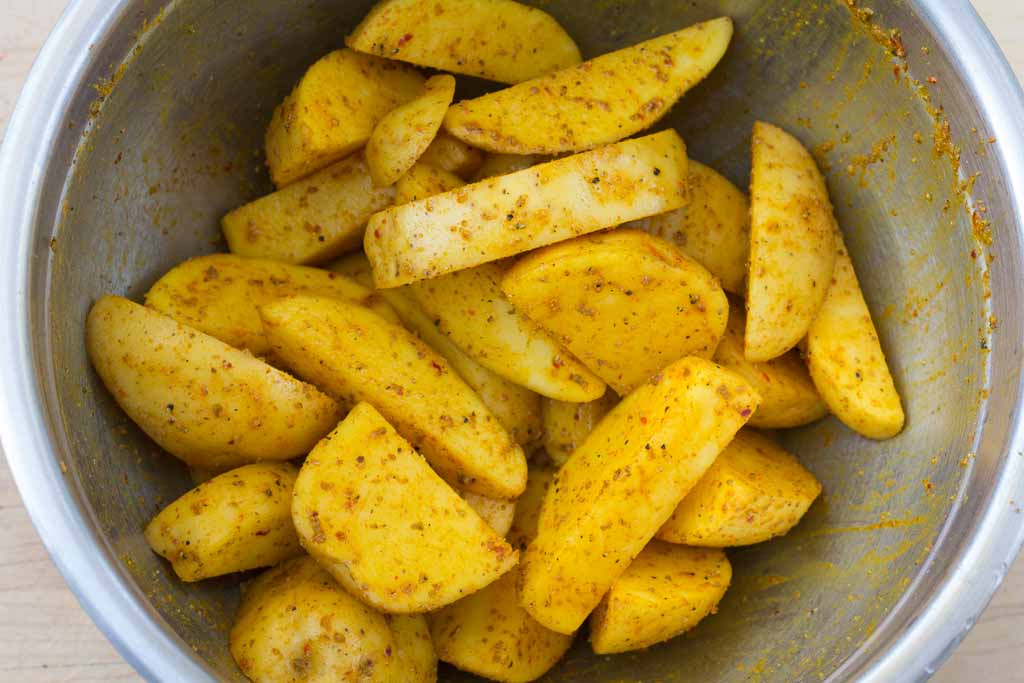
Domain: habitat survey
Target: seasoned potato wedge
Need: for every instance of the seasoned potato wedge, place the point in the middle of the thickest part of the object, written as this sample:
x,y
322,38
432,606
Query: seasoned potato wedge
x,y
621,485
665,591
510,214
488,633
602,100
566,425
792,248
236,521
497,513
201,400
356,267
333,110
295,623
499,40
452,155
753,492
625,303
353,353
219,294
371,510
311,221
403,135
788,396
503,164
422,181
713,229
470,308
846,360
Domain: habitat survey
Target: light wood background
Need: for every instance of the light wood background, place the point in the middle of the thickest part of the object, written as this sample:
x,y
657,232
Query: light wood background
x,y
45,637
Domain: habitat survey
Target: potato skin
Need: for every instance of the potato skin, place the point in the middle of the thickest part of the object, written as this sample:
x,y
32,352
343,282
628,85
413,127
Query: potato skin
x,y
201,400
371,510
621,485
567,425
755,491
295,624
665,591
236,521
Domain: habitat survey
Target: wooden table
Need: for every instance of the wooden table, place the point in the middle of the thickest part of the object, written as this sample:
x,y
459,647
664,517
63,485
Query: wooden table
x,y
46,637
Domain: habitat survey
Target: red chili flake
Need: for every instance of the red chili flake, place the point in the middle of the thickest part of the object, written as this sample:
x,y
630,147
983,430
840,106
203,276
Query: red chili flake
x,y
933,80
974,253
745,412
643,420
404,39
437,366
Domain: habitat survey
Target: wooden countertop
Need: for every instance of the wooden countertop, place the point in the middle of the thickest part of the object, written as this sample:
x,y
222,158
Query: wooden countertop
x,y
45,636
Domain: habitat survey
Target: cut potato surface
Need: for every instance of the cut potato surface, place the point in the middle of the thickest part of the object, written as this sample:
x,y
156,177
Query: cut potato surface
x,y
792,248
846,360
371,510
755,491
499,40
333,110
311,221
497,513
666,591
219,295
567,425
199,399
621,485
295,624
788,396
452,155
513,213
403,135
625,303
600,101
469,307
234,522
422,181
356,355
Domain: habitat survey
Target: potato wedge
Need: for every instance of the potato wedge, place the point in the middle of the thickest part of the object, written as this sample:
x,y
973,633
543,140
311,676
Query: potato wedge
x,y
625,303
755,491
371,510
488,633
199,399
311,221
846,360
665,591
788,396
566,425
497,513
713,229
295,623
499,40
470,308
422,181
219,294
621,485
503,164
355,354
792,248
333,110
234,522
600,101
510,214
452,155
403,135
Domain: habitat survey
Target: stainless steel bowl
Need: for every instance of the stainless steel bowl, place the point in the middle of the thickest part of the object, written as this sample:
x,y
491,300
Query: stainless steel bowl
x,y
142,123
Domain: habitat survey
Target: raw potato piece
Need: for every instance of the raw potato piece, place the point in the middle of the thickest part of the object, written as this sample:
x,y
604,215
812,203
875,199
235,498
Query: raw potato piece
x,y
625,303
792,248
846,360
600,101
754,492
404,134
510,214
566,425
788,396
199,399
713,229
470,308
310,221
356,355
497,513
422,181
333,110
623,483
295,624
499,40
453,156
371,511
237,521
219,294
503,164
666,591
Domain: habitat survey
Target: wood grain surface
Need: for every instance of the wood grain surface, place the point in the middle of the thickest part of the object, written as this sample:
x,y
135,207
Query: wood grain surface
x,y
45,637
